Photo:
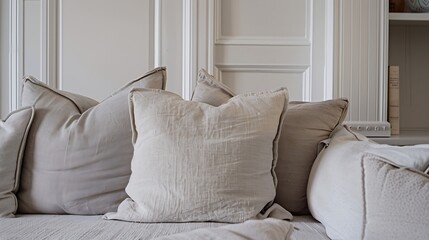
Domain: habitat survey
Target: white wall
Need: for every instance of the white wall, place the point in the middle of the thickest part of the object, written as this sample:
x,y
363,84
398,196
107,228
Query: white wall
x,y
4,58
170,42
32,38
251,45
318,49
103,44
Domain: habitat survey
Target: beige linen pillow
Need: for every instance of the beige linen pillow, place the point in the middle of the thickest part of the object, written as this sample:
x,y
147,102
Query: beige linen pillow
x,y
196,162
13,135
305,125
211,91
396,201
335,187
79,152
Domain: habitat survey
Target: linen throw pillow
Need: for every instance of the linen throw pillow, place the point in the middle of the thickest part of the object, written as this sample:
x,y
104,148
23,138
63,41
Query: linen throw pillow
x,y
196,162
78,155
13,135
211,91
305,125
396,200
335,187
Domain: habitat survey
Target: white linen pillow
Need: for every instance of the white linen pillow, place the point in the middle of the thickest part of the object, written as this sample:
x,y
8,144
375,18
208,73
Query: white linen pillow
x,y
13,135
335,188
196,162
79,151
305,125
396,201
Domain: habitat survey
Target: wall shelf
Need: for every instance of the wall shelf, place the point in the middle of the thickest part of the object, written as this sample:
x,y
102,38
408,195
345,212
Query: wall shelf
x,y
409,17
406,138
407,48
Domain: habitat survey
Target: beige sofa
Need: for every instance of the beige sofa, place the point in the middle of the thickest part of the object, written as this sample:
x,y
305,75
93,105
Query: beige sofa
x,y
219,166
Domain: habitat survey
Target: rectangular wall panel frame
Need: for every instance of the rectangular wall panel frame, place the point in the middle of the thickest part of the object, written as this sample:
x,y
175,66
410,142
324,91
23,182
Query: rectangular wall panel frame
x,y
266,41
304,70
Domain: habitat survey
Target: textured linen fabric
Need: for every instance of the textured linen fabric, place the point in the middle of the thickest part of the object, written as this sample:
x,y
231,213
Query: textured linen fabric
x,y
76,227
211,91
13,135
79,227
306,124
270,228
335,188
196,162
396,201
307,228
79,152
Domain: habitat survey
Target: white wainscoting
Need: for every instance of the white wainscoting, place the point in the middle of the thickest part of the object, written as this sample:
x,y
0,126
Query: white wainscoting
x,y
360,57
276,42
244,22
16,55
88,47
332,48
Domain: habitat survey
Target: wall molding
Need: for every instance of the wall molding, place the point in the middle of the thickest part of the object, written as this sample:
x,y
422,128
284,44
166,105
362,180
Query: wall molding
x,y
271,41
16,52
266,41
383,60
280,68
338,49
189,47
48,61
60,45
328,83
48,47
271,68
157,33
210,35
205,41
360,57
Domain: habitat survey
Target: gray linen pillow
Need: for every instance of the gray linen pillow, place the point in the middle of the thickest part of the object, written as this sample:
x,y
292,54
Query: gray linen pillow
x,y
305,125
396,200
13,135
196,162
79,152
